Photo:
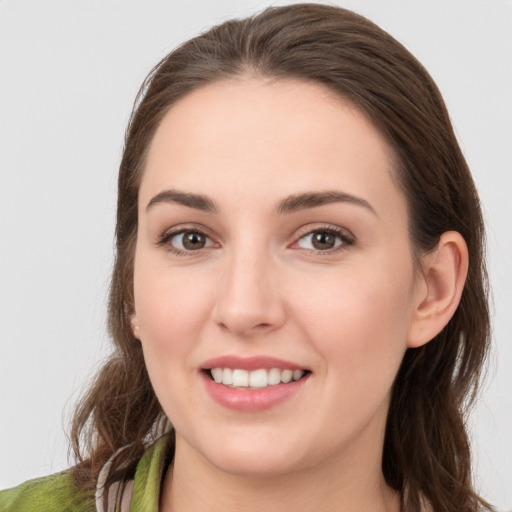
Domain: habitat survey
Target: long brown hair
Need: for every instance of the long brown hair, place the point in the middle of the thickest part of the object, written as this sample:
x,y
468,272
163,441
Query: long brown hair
x,y
426,450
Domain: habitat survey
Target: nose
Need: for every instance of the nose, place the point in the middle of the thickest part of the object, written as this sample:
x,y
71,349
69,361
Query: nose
x,y
248,299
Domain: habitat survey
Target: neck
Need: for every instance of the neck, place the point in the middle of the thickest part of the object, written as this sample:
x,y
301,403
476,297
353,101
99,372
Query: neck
x,y
348,482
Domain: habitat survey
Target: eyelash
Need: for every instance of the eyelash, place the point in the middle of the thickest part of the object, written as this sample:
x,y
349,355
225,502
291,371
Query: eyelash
x,y
346,240
165,239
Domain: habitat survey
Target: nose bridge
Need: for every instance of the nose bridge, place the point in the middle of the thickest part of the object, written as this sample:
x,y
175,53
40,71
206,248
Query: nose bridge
x,y
248,297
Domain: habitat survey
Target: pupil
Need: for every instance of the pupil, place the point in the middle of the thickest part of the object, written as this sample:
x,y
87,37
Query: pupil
x,y
323,240
193,241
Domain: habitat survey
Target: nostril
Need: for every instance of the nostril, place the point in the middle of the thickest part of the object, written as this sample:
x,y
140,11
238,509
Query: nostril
x,y
261,326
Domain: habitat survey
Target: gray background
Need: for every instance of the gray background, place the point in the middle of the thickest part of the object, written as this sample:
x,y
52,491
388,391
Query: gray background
x,y
70,70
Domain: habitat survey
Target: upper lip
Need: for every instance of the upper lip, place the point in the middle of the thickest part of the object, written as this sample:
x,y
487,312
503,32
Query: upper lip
x,y
249,363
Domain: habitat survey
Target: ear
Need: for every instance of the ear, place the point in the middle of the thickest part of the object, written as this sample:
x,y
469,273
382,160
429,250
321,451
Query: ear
x,y
134,321
442,279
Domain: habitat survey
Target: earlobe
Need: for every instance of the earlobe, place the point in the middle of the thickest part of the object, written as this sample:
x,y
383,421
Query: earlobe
x,y
444,274
134,321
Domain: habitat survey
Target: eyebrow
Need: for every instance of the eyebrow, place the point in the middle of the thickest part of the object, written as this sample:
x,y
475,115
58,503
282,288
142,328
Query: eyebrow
x,y
290,204
313,199
197,201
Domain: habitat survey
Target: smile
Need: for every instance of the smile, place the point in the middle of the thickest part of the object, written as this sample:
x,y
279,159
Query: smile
x,y
253,384
256,379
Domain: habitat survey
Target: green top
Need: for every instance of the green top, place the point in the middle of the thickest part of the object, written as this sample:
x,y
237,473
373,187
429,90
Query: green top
x,y
59,493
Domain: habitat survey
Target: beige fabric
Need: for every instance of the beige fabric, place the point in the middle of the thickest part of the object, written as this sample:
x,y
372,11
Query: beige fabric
x,y
118,492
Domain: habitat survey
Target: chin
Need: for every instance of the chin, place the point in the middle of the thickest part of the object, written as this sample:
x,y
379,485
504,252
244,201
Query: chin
x,y
259,455
260,465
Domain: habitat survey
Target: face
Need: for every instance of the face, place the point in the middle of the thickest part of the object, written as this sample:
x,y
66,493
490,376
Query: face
x,y
274,279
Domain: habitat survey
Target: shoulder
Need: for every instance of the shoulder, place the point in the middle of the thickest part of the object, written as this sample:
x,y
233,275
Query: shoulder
x,y
55,493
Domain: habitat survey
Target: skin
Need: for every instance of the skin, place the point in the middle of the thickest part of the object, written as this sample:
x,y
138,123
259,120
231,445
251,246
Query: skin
x,y
259,287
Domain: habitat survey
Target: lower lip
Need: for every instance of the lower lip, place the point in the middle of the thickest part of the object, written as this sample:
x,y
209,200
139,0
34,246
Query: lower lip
x,y
251,400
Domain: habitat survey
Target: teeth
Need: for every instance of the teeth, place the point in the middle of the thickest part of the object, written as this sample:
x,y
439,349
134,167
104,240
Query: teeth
x,y
217,374
297,374
274,376
258,379
227,376
286,376
261,378
240,378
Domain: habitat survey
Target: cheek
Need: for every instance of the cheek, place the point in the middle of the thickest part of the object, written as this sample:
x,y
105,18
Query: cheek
x,y
169,303
358,322
359,332
171,306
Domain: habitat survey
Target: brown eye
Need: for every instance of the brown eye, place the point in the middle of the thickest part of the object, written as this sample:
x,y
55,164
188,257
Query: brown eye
x,y
190,241
193,241
323,240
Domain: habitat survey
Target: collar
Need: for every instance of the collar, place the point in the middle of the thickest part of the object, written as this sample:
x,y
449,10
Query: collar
x,y
149,477
141,493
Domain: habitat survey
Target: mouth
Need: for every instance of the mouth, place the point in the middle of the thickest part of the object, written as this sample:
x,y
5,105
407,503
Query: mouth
x,y
255,383
239,378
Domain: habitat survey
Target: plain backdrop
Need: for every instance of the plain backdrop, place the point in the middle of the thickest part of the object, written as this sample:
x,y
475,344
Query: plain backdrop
x,y
70,70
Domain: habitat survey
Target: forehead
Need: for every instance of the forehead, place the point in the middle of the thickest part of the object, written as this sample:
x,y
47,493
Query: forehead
x,y
275,136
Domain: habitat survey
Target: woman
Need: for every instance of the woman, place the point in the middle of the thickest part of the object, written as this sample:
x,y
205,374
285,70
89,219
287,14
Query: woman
x,y
299,287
